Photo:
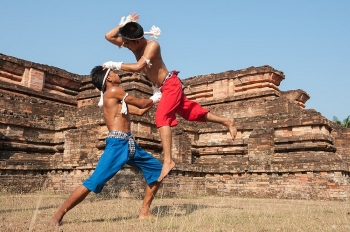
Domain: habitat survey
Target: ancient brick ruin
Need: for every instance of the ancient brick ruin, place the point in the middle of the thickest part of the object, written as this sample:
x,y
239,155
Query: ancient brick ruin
x,y
52,134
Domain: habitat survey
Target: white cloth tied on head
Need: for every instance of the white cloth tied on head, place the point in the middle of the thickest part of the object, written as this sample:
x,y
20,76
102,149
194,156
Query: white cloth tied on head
x,y
154,32
100,103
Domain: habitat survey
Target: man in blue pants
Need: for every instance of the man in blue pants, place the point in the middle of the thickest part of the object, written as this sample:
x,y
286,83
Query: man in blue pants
x,y
121,147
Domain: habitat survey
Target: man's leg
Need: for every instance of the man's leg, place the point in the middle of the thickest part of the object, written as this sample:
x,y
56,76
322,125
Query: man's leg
x,y
193,111
228,122
165,136
151,191
77,196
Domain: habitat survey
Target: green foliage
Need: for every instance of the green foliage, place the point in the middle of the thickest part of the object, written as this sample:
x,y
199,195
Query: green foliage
x,y
345,122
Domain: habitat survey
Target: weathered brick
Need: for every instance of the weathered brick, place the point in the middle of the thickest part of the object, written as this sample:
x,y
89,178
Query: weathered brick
x,y
52,134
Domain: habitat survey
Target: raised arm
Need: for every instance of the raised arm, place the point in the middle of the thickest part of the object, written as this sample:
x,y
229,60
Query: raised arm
x,y
112,35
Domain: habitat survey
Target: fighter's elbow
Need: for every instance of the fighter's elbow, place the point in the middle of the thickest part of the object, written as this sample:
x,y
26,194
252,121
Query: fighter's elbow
x,y
147,104
107,37
141,112
137,68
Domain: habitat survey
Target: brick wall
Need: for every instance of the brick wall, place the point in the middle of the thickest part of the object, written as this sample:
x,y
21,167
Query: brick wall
x,y
52,134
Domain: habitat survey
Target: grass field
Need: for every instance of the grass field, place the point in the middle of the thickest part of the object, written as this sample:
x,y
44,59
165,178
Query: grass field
x,y
32,212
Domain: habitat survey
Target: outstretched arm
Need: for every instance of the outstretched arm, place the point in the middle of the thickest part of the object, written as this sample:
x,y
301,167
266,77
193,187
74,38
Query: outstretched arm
x,y
117,93
140,109
151,51
138,102
137,111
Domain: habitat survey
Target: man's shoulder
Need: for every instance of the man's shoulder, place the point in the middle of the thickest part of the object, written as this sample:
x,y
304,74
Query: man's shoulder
x,y
114,91
151,42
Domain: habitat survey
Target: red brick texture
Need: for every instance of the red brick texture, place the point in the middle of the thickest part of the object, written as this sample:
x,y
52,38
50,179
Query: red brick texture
x,y
52,133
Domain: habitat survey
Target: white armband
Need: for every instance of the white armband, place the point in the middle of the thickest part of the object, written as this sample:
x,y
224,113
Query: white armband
x,y
124,109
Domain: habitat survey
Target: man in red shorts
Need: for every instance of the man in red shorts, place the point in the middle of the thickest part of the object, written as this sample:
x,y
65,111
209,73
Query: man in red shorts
x,y
130,34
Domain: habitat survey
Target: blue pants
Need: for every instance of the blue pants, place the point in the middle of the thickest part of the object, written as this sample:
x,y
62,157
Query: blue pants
x,y
115,156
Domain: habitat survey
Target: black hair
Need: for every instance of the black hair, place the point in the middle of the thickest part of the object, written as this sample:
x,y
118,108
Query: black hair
x,y
131,30
97,74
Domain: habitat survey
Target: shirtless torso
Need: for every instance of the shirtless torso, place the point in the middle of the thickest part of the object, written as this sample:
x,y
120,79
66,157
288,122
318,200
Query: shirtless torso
x,y
147,54
149,57
112,102
111,111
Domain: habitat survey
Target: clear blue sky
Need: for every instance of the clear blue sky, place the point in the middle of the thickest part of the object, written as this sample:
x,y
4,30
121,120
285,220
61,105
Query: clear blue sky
x,y
308,40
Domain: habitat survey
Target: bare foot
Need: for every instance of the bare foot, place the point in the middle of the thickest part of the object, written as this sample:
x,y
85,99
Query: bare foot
x,y
147,216
165,170
231,127
55,221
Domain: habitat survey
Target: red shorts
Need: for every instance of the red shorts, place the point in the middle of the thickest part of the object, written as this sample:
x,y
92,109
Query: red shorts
x,y
174,101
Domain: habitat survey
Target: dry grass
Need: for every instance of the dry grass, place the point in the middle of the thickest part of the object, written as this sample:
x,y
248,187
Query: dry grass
x,y
32,212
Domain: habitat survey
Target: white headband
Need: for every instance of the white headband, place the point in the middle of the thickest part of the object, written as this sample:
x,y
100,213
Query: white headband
x,y
103,82
154,32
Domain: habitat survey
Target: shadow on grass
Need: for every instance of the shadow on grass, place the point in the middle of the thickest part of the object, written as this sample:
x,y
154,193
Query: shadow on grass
x,y
26,209
101,220
182,209
160,211
56,206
